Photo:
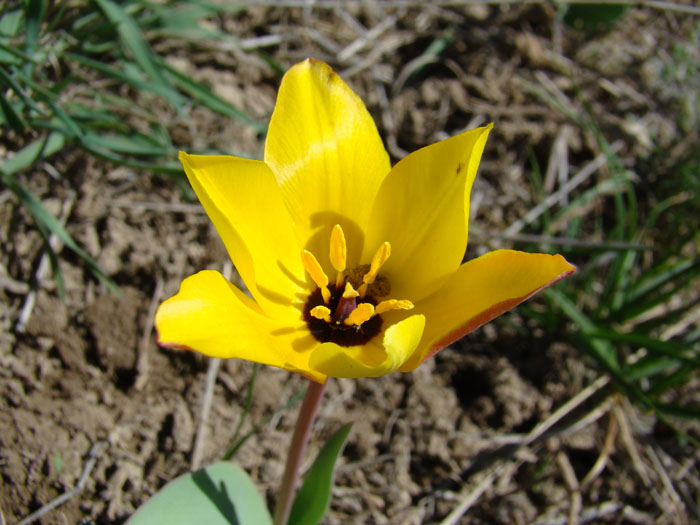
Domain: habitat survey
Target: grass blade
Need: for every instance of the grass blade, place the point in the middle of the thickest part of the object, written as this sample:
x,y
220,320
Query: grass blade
x,y
678,351
33,15
27,155
603,350
43,217
132,38
110,71
204,96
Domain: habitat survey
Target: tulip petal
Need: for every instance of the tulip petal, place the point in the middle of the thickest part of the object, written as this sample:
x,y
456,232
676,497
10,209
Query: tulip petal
x,y
243,201
480,290
211,316
422,209
326,153
372,359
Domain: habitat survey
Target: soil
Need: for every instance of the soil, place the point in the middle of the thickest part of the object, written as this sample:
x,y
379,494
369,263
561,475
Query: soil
x,y
84,383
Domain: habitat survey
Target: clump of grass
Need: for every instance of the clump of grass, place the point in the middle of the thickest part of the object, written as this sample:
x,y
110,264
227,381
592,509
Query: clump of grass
x,y
63,70
633,304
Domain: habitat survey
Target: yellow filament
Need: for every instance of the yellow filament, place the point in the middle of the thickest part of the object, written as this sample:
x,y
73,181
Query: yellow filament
x,y
317,274
321,312
392,304
378,261
359,315
338,253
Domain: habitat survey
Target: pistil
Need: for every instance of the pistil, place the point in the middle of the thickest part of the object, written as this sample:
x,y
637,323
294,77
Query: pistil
x,y
347,303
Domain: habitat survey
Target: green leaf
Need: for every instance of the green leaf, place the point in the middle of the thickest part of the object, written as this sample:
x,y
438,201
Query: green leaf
x,y
8,82
658,276
314,497
110,71
680,351
589,17
134,144
220,494
11,23
34,14
603,350
27,155
10,115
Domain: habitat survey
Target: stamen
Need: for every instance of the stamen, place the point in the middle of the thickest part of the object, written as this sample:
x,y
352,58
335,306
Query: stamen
x,y
378,260
338,253
392,304
317,274
359,315
321,312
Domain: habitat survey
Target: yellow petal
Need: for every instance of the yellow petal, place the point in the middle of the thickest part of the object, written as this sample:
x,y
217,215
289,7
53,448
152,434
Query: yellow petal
x,y
211,316
373,359
326,153
422,209
243,201
480,290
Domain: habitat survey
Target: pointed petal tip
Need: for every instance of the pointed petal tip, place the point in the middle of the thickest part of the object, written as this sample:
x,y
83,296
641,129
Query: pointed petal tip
x,y
503,279
183,157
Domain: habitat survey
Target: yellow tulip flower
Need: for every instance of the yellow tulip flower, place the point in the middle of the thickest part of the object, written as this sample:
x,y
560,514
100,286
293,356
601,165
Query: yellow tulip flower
x,y
354,267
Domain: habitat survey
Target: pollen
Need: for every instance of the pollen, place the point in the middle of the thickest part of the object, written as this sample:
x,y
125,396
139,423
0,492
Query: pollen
x,y
378,261
321,312
338,254
393,304
314,269
361,314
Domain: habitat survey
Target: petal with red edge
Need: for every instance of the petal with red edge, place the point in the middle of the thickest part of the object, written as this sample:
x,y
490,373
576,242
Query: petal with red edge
x,y
480,290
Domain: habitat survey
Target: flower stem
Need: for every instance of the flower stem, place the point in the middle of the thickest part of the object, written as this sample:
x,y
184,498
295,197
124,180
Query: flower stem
x,y
302,431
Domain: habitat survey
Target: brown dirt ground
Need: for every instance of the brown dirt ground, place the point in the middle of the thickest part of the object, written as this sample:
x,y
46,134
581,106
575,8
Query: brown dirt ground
x,y
86,380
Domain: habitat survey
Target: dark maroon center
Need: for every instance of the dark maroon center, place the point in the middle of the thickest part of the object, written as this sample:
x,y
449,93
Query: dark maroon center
x,y
336,331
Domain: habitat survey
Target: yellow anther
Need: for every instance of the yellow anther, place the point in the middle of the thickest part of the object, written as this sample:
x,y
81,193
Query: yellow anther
x,y
338,253
317,274
349,291
378,261
321,312
393,304
359,315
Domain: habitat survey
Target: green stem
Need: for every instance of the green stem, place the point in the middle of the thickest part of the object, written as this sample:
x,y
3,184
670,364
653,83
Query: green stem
x,y
302,431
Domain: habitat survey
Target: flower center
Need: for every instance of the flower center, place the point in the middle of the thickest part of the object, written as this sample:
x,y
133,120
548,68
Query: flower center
x,y
347,311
